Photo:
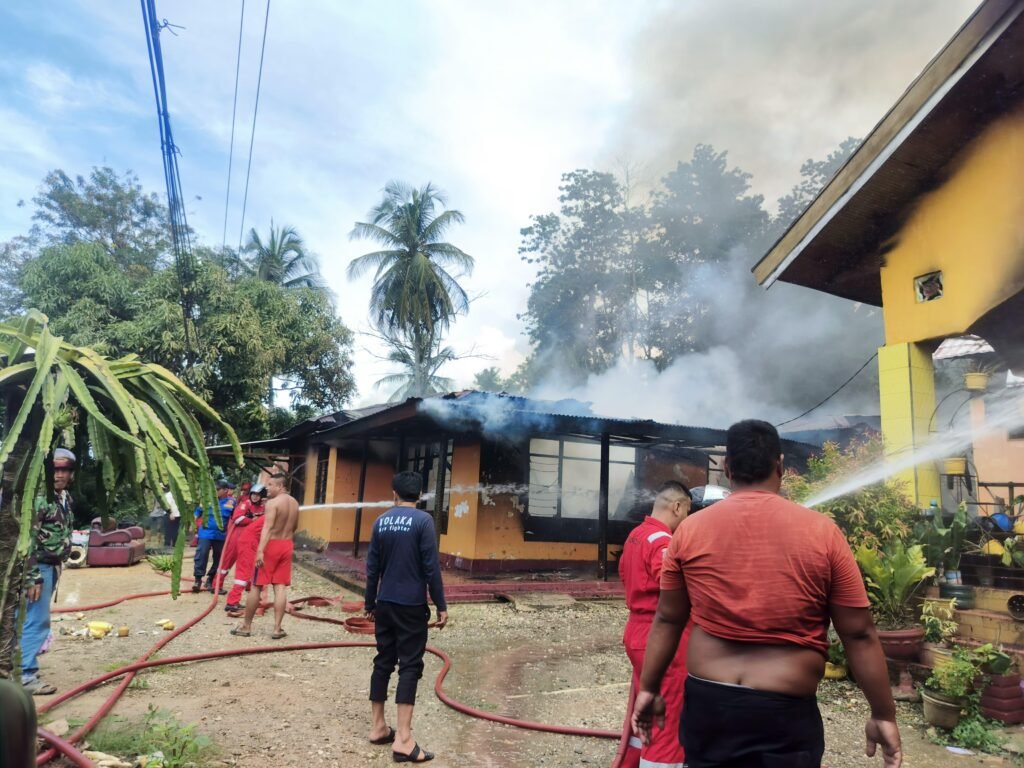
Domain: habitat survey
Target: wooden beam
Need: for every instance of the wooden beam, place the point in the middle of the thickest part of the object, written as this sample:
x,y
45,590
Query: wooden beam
x,y
361,495
602,509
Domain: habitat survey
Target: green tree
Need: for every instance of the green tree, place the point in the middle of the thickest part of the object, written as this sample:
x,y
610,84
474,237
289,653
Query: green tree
x,y
253,333
135,421
282,259
413,290
581,300
814,175
420,357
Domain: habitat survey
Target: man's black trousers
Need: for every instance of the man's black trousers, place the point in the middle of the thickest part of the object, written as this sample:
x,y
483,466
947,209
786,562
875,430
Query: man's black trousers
x,y
726,726
401,632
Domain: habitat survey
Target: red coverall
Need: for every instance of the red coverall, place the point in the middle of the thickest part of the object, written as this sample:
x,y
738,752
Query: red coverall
x,y
247,538
640,571
230,553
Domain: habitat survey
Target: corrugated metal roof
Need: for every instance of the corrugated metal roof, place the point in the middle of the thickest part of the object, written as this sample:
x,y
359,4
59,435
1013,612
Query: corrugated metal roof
x,y
962,346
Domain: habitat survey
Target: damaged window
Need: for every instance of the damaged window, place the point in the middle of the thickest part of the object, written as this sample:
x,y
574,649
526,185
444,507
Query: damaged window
x,y
323,460
422,458
565,478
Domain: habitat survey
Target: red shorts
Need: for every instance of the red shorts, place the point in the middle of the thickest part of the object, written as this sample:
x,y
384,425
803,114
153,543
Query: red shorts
x,y
277,563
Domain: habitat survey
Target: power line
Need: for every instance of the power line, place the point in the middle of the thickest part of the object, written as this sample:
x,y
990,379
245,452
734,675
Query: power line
x,y
836,392
252,135
184,260
234,109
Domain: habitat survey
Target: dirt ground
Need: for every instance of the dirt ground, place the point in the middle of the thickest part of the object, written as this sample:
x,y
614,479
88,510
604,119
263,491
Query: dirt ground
x,y
309,708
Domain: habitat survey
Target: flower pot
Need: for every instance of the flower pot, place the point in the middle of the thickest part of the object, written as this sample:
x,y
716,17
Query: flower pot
x,y
940,710
964,595
953,577
902,644
955,466
976,382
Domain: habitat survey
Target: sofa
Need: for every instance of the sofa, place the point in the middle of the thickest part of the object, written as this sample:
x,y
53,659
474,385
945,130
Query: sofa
x,y
124,546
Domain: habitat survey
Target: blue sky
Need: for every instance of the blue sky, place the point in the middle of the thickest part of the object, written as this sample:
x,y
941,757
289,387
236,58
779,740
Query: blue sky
x,y
490,101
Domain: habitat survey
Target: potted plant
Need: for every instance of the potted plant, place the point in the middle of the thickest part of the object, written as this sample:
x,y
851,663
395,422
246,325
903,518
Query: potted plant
x,y
940,627
892,576
976,376
955,465
946,689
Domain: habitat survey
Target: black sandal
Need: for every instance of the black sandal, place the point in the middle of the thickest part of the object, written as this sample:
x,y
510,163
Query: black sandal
x,y
398,757
389,739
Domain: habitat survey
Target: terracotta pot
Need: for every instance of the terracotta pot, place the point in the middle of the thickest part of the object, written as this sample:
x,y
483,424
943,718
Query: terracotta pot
x,y
902,644
941,711
976,382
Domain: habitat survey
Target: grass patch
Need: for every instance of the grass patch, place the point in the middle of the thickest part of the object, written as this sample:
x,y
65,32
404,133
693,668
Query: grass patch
x,y
161,563
158,731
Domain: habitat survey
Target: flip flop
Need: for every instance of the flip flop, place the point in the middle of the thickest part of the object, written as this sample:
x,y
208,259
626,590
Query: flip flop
x,y
279,635
389,739
399,757
240,632
39,688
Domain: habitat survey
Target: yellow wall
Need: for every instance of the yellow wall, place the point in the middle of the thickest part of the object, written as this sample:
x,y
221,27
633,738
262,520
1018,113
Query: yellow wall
x,y
971,228
906,383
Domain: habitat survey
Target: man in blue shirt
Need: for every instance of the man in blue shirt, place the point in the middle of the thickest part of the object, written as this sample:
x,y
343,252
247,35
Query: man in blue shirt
x,y
211,537
401,567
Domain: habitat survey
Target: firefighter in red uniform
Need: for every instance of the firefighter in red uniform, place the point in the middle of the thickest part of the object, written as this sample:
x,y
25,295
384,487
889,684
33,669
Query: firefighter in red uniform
x,y
640,571
247,523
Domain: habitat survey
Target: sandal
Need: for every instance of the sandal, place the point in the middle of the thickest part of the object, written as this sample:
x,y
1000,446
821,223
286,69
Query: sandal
x,y
39,687
389,739
237,632
399,757
279,635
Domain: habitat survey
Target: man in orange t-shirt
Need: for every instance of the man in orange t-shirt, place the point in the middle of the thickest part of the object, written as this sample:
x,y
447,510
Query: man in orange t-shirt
x,y
760,578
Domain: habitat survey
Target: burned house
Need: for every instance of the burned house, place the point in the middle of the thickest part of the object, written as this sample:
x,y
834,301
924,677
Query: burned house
x,y
513,483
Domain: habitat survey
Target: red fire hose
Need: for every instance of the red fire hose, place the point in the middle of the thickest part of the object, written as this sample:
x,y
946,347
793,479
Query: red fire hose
x,y
66,748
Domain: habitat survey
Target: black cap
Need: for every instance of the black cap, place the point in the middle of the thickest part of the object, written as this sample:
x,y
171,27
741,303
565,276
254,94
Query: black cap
x,y
226,484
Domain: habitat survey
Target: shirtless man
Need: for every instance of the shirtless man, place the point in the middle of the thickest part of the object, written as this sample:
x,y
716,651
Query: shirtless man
x,y
273,556
760,578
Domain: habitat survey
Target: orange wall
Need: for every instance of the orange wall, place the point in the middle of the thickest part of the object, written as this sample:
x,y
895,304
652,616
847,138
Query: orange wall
x,y
463,514
338,525
996,458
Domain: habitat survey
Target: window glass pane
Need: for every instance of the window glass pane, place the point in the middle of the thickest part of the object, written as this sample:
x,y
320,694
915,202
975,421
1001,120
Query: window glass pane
x,y
622,453
543,501
580,483
582,450
539,445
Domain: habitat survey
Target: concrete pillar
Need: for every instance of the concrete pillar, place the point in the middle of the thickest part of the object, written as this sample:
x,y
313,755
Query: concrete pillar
x,y
906,383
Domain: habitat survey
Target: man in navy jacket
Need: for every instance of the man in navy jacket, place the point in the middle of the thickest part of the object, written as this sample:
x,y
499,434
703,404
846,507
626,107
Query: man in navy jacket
x,y
401,568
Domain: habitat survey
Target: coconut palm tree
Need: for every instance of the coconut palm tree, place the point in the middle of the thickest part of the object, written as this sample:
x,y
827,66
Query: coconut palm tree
x,y
421,357
283,259
413,290
134,420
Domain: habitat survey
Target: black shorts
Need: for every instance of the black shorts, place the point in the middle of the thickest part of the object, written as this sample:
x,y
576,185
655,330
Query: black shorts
x,y
730,726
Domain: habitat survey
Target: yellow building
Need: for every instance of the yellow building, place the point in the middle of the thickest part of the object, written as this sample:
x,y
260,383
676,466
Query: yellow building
x,y
926,221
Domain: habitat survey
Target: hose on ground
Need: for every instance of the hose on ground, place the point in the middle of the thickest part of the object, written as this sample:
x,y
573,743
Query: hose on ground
x,y
128,672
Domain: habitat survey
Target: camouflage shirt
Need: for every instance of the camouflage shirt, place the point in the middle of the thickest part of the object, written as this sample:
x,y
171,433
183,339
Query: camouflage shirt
x,y
54,523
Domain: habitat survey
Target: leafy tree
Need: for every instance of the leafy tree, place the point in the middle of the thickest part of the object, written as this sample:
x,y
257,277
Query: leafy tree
x,y
814,175
413,291
283,259
421,357
489,380
583,287
706,222
136,421
253,333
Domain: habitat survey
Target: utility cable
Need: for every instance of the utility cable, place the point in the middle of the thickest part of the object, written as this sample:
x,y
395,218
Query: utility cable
x,y
252,135
836,392
234,110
